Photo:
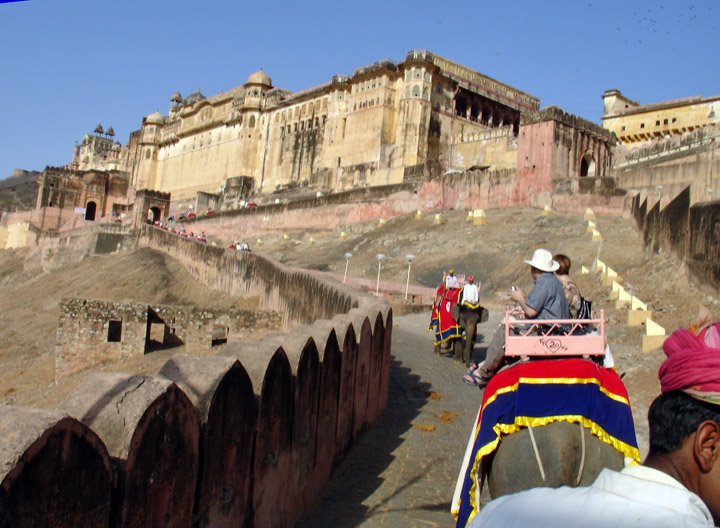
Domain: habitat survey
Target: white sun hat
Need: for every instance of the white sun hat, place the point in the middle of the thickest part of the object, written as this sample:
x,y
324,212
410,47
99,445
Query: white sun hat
x,y
542,260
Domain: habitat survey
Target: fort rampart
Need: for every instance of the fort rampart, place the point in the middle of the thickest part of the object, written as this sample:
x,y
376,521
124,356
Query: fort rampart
x,y
690,231
245,438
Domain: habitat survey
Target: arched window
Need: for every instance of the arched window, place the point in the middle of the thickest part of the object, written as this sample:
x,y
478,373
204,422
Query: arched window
x,y
416,91
147,154
251,122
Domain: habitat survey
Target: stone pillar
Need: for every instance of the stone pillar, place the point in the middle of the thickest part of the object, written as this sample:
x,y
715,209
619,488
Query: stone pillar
x,y
362,378
346,404
273,445
375,378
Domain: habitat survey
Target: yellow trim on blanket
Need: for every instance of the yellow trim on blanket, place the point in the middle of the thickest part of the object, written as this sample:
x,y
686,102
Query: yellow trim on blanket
x,y
557,381
529,421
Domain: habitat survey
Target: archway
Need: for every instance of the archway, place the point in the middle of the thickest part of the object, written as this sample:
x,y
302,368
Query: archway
x,y
154,214
587,166
90,209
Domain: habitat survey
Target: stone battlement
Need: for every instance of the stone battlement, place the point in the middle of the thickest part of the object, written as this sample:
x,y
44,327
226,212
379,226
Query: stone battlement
x,y
246,438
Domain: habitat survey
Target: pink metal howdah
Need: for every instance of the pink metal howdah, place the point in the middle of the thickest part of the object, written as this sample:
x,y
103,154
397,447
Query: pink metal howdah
x,y
554,337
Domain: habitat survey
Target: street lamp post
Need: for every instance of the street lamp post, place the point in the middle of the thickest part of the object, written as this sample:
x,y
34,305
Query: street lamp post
x,y
409,259
348,256
380,258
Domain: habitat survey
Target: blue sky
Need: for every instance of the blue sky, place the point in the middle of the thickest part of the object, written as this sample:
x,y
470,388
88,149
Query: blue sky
x,y
67,65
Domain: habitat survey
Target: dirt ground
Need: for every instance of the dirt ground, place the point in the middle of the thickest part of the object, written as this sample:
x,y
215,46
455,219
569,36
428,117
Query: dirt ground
x,y
30,308
494,253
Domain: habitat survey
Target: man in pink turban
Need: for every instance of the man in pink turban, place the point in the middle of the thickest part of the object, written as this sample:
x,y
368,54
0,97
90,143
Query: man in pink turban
x,y
679,482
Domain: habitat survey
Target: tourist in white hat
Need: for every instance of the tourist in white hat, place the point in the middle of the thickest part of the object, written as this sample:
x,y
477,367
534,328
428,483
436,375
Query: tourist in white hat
x,y
545,301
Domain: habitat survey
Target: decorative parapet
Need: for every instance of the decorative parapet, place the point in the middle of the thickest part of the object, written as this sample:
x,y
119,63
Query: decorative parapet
x,y
556,114
493,133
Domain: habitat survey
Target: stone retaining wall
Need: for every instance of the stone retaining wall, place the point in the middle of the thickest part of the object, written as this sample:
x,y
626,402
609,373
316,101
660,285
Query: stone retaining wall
x,y
692,232
248,438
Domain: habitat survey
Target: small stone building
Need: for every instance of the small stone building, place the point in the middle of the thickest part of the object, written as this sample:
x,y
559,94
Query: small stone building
x,y
91,332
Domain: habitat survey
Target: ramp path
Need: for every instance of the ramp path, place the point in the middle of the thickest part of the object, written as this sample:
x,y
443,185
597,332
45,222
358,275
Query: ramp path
x,y
402,472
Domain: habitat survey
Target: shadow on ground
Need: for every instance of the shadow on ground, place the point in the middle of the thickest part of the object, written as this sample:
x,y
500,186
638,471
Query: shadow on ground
x,y
361,474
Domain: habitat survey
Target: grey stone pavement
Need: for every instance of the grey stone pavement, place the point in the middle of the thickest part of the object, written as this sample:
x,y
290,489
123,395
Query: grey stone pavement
x,y
402,471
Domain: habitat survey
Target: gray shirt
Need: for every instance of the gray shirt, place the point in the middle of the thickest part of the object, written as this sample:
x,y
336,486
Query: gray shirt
x,y
548,298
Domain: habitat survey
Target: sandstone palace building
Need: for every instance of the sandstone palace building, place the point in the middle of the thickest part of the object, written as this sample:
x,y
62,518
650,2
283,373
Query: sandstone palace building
x,y
385,122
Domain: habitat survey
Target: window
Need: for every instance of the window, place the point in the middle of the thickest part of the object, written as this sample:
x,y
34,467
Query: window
x,y
114,332
622,128
665,122
642,125
674,119
657,123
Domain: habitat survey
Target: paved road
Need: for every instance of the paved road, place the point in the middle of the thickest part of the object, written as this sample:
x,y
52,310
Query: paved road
x,y
402,472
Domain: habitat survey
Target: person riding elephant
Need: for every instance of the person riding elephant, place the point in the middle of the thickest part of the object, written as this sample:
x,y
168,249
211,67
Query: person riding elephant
x,y
470,313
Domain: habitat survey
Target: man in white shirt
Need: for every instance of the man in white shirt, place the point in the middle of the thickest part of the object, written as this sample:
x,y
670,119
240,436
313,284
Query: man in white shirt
x,y
451,281
470,293
679,483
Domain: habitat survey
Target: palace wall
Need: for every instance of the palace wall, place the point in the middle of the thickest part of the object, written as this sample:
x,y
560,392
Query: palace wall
x,y
661,174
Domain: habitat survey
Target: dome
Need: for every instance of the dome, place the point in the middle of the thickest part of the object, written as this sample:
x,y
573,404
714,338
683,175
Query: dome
x,y
176,98
99,129
155,118
110,132
259,77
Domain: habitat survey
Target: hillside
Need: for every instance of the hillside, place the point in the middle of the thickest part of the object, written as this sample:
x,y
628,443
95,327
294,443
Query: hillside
x,y
30,307
19,191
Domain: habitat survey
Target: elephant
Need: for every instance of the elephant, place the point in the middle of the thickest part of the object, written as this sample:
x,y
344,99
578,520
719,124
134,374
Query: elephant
x,y
468,318
567,455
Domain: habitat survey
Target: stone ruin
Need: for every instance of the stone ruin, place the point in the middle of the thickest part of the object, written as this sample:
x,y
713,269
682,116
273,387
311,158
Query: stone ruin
x,y
90,332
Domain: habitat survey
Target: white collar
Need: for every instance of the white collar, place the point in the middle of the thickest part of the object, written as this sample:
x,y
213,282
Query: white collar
x,y
653,475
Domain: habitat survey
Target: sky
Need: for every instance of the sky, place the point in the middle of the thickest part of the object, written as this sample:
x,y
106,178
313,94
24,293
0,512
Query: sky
x,y
67,65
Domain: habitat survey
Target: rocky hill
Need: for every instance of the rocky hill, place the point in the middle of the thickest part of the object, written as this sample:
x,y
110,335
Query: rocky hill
x,y
19,191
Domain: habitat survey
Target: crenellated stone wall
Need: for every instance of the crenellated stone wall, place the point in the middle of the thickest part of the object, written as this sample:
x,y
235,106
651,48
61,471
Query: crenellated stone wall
x,y
690,231
247,438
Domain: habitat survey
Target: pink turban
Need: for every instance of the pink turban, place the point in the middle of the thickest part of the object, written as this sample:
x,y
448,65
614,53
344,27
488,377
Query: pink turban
x,y
693,364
